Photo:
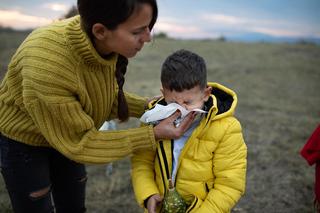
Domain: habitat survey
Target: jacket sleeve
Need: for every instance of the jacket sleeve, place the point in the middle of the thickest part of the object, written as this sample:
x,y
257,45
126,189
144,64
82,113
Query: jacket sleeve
x,y
143,175
229,169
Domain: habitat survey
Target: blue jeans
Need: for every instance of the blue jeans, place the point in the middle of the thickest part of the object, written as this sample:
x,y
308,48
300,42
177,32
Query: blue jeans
x,y
40,179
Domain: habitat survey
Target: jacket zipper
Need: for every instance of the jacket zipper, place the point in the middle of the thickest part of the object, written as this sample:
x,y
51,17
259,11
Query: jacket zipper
x,y
161,170
165,159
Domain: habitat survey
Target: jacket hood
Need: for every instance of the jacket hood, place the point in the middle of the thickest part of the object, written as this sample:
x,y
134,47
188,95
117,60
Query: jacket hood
x,y
222,102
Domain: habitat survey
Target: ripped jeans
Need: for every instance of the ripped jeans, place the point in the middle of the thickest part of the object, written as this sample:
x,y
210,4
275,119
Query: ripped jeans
x,y
40,179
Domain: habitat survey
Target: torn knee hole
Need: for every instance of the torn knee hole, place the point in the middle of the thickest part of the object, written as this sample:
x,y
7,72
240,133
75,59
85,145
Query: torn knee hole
x,y
40,193
84,179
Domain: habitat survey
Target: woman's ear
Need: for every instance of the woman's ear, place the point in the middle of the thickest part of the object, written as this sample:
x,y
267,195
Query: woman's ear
x,y
99,31
207,93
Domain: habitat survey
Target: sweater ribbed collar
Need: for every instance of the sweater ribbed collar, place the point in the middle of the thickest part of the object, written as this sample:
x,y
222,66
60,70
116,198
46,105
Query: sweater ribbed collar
x,y
81,45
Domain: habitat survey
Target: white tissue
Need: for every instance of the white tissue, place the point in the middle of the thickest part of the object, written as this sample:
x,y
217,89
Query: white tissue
x,y
160,112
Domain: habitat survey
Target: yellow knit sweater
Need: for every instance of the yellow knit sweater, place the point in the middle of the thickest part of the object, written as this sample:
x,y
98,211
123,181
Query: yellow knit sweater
x,y
58,92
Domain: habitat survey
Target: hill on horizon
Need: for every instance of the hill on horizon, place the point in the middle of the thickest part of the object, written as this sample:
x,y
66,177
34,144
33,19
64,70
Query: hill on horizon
x,y
247,37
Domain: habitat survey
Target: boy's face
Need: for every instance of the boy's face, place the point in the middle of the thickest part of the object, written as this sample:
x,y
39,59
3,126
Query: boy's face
x,y
190,99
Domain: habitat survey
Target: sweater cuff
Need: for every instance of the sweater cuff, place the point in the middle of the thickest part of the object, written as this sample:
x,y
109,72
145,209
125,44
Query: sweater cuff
x,y
142,138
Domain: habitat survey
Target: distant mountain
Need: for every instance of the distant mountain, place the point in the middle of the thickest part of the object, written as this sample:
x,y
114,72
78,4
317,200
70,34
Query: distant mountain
x,y
260,37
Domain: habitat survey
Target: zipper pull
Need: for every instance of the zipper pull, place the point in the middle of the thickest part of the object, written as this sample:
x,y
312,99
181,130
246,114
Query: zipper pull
x,y
171,186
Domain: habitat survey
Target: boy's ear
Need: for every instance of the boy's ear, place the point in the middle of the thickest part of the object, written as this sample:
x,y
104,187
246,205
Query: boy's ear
x,y
207,92
99,31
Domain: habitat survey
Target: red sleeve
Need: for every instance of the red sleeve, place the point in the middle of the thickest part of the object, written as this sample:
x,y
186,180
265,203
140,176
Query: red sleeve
x,y
311,150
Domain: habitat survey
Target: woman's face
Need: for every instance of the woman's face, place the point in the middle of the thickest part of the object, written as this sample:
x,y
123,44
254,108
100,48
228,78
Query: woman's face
x,y
129,37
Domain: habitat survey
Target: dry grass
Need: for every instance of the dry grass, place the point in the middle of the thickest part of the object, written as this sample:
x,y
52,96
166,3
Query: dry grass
x,y
278,90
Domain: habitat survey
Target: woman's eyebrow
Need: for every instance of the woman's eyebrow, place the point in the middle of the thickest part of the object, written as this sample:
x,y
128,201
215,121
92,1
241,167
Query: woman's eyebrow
x,y
140,28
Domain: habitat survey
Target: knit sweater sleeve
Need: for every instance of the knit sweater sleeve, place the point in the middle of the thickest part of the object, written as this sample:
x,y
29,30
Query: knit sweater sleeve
x,y
67,128
136,105
86,144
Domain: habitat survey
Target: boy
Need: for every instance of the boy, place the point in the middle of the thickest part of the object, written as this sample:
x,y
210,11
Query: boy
x,y
207,165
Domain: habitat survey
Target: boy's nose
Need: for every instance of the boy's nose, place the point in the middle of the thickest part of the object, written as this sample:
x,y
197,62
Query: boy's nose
x,y
183,105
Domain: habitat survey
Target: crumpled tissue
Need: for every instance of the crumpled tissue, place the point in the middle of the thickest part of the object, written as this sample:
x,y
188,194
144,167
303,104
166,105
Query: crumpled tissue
x,y
160,112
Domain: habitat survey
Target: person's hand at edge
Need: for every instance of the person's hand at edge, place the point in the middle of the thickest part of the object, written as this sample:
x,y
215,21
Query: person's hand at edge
x,y
152,203
167,130
151,99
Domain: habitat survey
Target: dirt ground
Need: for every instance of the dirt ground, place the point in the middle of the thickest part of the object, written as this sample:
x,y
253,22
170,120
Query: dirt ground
x,y
278,90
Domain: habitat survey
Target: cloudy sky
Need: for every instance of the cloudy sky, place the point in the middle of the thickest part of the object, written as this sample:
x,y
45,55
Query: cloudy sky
x,y
192,18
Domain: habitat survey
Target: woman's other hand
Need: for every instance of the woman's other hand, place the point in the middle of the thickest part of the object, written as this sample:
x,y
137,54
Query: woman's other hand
x,y
167,130
151,99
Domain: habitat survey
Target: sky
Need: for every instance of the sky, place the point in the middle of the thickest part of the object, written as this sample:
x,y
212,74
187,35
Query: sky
x,y
192,19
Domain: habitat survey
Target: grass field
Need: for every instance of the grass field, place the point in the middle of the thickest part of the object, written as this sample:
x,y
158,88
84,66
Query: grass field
x,y
278,87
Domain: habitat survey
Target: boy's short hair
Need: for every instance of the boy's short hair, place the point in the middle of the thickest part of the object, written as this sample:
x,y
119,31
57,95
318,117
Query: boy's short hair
x,y
183,70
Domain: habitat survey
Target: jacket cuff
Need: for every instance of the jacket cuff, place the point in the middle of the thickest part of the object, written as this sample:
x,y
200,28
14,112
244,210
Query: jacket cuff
x,y
196,203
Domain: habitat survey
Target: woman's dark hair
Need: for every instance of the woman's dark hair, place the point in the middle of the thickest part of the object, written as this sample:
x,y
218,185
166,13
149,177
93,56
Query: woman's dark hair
x,y
111,13
183,70
121,69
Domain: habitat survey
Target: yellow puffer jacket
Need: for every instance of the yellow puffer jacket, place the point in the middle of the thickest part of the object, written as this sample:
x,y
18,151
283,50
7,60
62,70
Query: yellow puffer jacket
x,y
212,165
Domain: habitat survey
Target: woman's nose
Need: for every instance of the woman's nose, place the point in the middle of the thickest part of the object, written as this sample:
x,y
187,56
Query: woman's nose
x,y
146,37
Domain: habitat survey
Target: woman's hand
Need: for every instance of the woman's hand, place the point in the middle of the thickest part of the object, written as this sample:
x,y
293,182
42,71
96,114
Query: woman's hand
x,y
153,202
167,130
151,99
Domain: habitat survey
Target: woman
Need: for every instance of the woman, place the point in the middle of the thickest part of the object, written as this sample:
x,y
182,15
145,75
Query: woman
x,y
62,84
